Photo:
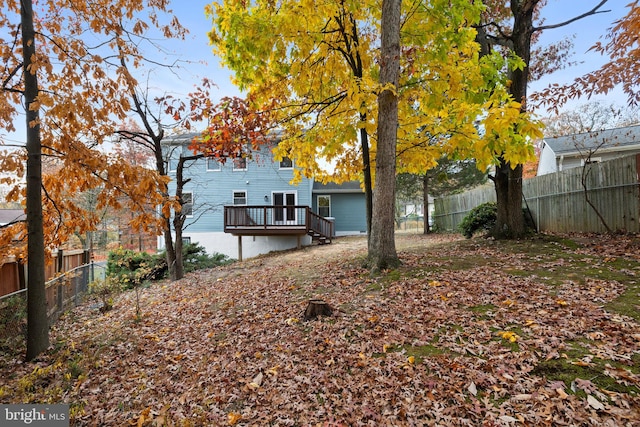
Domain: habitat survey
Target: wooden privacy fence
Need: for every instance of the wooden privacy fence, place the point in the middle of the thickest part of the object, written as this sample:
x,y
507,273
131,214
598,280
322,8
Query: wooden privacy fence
x,y
13,272
68,279
63,292
449,211
557,201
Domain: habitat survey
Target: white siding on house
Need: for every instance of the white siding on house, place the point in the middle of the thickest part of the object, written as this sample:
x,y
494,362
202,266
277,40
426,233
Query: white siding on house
x,y
252,246
571,151
547,163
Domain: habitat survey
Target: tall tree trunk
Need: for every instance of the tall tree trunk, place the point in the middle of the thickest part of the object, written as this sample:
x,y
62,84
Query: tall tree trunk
x,y
425,203
508,178
170,251
37,323
382,247
368,181
178,270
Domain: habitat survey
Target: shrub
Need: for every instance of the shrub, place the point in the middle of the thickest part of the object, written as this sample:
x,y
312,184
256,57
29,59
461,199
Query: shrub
x,y
482,217
13,320
105,289
132,268
196,258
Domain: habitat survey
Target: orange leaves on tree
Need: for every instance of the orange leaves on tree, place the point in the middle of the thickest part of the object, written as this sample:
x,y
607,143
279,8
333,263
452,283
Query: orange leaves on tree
x,y
234,129
623,68
82,96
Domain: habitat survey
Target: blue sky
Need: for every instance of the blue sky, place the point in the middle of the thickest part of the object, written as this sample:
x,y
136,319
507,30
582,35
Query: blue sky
x,y
196,50
586,33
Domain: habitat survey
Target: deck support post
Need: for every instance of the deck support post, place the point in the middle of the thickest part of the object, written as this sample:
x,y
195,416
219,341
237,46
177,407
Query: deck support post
x,y
239,248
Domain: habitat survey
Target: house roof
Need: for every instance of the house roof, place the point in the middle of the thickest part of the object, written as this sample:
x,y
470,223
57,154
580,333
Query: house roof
x,y
623,138
179,138
187,137
10,215
332,187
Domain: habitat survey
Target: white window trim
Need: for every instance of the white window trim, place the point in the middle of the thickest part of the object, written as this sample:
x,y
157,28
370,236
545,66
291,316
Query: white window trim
x,y
233,163
170,163
280,167
219,168
192,205
285,193
318,203
233,197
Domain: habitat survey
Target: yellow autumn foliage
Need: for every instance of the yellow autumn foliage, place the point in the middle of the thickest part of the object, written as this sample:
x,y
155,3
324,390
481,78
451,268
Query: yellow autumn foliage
x,y
315,65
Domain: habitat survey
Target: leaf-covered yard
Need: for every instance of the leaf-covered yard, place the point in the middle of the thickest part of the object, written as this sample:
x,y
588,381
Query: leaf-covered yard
x,y
466,332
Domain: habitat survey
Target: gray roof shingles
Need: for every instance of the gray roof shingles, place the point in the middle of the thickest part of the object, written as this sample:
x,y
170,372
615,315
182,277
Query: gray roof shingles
x,y
603,139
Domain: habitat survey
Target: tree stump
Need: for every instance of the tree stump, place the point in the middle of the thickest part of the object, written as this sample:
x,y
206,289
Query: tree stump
x,y
315,308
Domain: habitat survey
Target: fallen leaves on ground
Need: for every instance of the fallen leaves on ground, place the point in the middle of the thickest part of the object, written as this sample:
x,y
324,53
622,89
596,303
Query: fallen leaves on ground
x,y
453,337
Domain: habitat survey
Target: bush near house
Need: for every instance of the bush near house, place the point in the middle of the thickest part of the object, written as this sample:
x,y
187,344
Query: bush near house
x,y
196,258
132,268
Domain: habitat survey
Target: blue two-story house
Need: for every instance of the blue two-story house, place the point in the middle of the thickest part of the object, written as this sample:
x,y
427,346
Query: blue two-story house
x,y
245,207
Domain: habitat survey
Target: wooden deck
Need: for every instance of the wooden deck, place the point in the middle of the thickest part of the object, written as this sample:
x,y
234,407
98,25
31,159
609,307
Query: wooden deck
x,y
277,221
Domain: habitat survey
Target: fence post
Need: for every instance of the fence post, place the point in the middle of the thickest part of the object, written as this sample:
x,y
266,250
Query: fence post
x,y
59,294
22,279
60,260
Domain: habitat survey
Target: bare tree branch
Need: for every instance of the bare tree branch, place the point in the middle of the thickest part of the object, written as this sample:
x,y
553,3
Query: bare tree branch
x,y
593,11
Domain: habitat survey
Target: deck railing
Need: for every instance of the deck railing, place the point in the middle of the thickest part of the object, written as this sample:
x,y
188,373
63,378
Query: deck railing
x,y
320,225
275,220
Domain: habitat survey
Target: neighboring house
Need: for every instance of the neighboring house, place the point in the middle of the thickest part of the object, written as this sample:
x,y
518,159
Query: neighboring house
x,y
251,188
572,151
411,209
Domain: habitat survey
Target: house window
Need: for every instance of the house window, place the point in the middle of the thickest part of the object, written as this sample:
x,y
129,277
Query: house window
x,y
186,240
213,164
239,197
187,203
286,163
324,206
240,164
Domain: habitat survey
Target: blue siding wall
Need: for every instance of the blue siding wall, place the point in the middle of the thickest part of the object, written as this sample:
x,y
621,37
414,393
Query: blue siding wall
x,y
213,189
348,209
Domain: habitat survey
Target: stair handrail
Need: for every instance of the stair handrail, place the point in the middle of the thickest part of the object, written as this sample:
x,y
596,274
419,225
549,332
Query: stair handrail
x,y
319,224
